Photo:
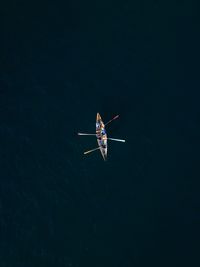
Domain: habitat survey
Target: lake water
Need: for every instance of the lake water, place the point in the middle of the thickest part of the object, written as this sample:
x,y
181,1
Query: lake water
x,y
61,63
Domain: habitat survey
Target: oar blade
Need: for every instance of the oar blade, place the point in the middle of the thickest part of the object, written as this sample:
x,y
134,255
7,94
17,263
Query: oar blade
x,y
89,151
114,118
85,134
118,140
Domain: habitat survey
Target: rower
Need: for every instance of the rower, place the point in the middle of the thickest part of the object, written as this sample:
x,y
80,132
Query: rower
x,y
97,125
103,131
101,142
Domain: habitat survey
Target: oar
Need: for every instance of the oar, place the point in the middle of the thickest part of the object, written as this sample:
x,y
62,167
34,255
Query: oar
x,y
85,134
116,117
89,151
118,140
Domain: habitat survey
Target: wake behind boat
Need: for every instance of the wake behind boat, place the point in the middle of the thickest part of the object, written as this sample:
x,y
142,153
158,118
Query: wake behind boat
x,y
101,136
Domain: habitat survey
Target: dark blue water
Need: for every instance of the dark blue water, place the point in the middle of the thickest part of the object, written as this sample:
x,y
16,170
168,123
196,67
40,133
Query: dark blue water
x,y
60,64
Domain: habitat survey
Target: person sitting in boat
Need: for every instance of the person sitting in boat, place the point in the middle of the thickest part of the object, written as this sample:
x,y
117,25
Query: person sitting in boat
x,y
103,131
97,125
103,142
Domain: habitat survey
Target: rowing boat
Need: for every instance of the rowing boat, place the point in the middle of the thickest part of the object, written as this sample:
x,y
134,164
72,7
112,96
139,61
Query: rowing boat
x,y
101,136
